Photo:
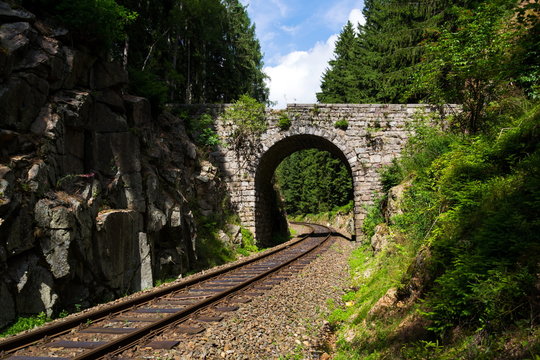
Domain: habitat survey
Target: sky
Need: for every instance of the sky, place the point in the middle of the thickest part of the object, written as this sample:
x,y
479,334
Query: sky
x,y
298,39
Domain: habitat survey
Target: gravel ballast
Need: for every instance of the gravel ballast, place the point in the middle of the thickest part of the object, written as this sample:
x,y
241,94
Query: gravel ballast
x,y
284,322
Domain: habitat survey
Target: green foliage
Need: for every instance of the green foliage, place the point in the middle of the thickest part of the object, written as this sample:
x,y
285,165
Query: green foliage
x,y
471,66
313,181
97,22
284,122
248,240
200,51
26,323
203,130
210,250
342,124
374,217
150,86
248,118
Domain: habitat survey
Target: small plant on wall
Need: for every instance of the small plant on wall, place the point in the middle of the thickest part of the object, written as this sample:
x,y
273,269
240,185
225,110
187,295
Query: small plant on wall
x,y
341,124
284,122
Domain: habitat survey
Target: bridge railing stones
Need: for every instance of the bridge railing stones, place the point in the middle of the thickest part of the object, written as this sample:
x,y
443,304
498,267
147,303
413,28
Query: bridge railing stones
x,y
375,135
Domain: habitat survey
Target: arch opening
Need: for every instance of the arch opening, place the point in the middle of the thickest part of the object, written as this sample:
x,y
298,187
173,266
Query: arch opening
x,y
269,216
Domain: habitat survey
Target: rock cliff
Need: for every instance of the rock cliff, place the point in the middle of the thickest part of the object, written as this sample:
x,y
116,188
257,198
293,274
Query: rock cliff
x,y
97,197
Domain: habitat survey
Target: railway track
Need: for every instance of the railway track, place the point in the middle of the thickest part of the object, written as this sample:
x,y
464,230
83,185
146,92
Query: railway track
x,y
185,307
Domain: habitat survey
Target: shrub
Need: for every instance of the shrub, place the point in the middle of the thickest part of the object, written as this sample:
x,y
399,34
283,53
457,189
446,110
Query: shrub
x,y
249,121
373,218
202,129
341,124
284,122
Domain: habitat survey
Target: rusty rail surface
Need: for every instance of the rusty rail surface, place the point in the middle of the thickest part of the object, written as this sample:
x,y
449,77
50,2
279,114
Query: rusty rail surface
x,y
194,295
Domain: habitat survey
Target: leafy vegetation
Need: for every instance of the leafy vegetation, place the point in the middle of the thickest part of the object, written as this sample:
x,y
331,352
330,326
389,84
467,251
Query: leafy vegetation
x,y
313,181
459,278
284,121
247,116
341,124
25,323
99,23
203,130
192,51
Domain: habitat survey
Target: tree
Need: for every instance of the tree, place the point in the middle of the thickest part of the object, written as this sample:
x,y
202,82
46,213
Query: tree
x,y
313,181
471,65
339,80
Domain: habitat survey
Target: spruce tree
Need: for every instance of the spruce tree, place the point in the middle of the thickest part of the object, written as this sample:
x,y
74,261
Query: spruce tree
x,y
340,78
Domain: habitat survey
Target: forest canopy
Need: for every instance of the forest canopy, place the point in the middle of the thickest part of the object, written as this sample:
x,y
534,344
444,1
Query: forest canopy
x,y
191,51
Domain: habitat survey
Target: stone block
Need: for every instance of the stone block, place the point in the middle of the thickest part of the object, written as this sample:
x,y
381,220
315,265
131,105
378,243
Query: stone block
x,y
117,246
14,42
137,110
104,120
21,99
109,74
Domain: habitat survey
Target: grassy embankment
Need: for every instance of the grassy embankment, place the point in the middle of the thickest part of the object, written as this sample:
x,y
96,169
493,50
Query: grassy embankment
x,y
460,276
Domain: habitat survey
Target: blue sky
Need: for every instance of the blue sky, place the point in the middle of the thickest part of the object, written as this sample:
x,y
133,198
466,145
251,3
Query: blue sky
x,y
297,39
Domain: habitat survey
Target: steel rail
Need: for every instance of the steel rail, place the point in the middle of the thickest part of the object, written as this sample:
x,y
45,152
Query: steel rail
x,y
127,341
17,342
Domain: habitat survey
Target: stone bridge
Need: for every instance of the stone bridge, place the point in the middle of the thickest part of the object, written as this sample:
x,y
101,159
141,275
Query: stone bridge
x,y
375,135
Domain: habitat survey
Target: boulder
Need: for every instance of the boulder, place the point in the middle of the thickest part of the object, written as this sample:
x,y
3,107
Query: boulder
x,y
111,98
7,304
21,100
116,153
384,304
395,200
78,65
144,279
14,42
109,74
7,14
75,108
34,283
137,110
20,237
156,219
118,257
381,238
104,120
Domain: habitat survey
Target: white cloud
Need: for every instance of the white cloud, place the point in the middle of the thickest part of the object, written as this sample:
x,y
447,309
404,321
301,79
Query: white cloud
x,y
297,77
356,17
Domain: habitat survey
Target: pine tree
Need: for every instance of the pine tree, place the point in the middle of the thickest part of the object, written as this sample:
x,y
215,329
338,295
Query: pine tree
x,y
339,80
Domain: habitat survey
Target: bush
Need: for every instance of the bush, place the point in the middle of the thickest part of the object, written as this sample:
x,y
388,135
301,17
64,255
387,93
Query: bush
x,y
373,218
284,122
248,240
202,129
341,124
477,205
249,120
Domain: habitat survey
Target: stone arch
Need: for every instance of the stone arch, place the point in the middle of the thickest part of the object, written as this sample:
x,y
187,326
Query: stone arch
x,y
273,154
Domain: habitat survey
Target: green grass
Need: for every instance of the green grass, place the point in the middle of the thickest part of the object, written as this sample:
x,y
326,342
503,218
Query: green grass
x,y
25,323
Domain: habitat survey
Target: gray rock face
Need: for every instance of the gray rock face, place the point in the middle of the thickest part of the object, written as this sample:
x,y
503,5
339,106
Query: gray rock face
x,y
6,304
7,14
14,42
138,110
117,245
21,100
381,238
395,199
96,196
34,287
